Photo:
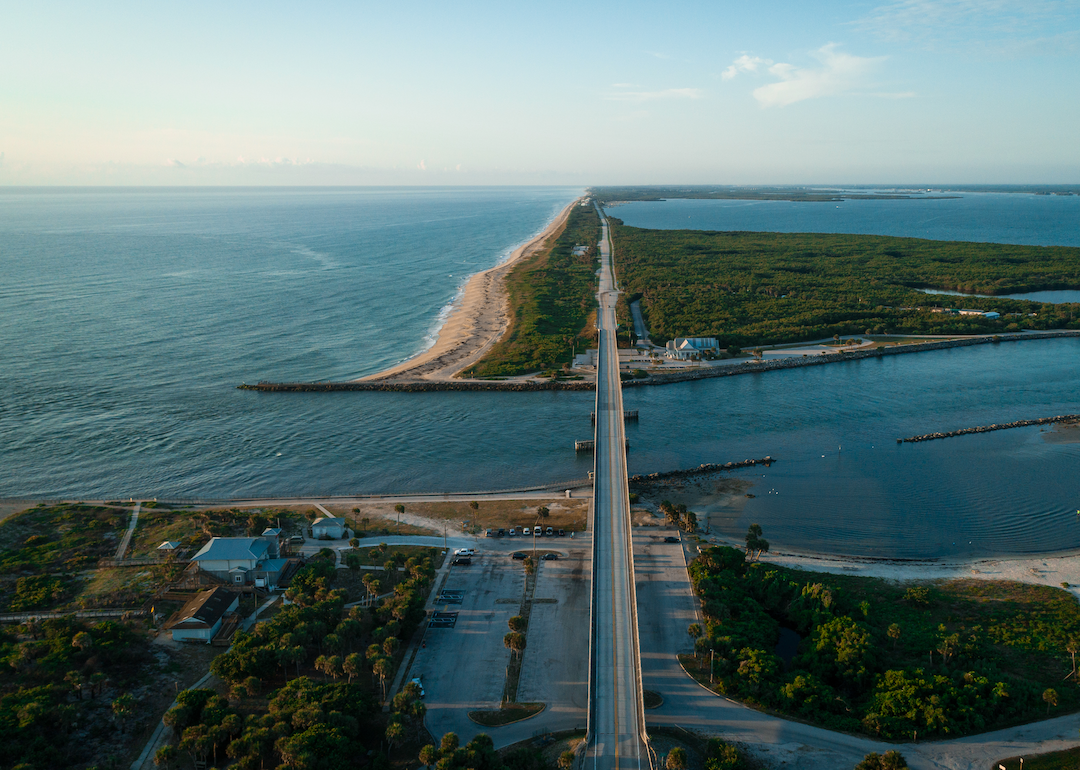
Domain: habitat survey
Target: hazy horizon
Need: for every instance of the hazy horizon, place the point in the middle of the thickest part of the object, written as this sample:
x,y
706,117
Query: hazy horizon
x,y
480,94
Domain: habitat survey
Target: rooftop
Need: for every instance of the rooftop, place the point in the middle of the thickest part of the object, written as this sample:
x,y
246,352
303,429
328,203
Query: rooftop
x,y
233,549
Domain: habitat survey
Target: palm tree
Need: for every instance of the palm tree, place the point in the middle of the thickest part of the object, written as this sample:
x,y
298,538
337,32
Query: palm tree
x,y
352,665
383,668
395,732
429,755
123,707
1051,697
515,642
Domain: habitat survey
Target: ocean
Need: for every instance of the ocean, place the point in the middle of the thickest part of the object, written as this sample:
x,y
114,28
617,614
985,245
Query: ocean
x,y
128,317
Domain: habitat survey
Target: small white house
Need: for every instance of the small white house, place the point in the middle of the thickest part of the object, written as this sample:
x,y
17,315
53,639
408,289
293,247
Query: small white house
x,y
330,527
200,618
684,348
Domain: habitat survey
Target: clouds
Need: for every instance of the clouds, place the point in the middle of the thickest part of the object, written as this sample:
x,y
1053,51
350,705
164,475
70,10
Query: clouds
x,y
838,73
745,63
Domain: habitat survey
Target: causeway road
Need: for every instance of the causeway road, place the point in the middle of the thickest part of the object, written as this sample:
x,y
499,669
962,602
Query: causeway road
x,y
616,713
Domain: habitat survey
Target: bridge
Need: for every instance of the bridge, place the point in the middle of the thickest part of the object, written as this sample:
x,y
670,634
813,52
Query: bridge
x,y
616,733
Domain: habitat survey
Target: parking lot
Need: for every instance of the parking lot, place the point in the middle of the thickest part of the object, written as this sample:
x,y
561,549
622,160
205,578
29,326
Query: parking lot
x,y
463,661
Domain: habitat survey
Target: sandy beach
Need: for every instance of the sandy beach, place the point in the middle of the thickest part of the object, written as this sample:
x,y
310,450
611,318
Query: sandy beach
x,y
1058,570
478,320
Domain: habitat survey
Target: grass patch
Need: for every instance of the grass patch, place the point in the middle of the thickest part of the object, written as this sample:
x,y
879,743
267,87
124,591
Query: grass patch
x,y
515,712
59,538
551,295
569,514
1068,759
652,699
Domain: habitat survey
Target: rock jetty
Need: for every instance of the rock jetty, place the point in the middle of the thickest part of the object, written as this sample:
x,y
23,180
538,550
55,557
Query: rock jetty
x,y
701,470
416,387
749,367
1063,418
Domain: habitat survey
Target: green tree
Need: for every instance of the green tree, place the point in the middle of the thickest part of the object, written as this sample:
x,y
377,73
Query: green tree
x,y
429,755
123,709
566,760
449,744
676,759
894,633
1050,696
395,733
890,760
516,623
515,642
542,512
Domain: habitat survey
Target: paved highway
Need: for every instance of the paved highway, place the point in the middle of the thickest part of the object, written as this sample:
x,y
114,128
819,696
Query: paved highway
x,y
616,716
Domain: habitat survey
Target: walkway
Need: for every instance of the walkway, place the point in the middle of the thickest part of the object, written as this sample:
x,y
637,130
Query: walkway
x,y
122,549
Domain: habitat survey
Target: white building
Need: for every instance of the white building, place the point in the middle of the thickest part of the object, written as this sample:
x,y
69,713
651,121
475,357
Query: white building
x,y
201,618
330,527
983,313
684,348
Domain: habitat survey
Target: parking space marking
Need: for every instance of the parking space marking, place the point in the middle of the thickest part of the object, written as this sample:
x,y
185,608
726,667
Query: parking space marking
x,y
443,620
451,597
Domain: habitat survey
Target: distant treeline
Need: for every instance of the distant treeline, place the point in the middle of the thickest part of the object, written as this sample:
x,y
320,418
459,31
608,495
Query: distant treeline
x,y
552,295
731,192
793,193
751,289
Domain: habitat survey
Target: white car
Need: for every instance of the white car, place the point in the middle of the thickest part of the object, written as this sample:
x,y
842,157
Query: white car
x,y
420,685
465,552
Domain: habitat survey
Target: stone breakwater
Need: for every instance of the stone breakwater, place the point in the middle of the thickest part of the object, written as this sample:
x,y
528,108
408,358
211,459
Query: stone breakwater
x,y
1063,418
414,387
701,470
750,367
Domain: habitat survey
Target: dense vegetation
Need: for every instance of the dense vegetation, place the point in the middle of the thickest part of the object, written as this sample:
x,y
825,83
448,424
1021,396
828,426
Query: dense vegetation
x,y
751,289
947,660
552,295
310,717
65,691
48,540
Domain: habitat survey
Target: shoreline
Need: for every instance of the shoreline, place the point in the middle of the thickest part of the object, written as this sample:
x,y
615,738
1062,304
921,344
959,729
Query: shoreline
x,y
1056,569
419,383
478,318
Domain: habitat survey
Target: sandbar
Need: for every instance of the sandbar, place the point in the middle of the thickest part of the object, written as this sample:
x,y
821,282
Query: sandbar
x,y
480,318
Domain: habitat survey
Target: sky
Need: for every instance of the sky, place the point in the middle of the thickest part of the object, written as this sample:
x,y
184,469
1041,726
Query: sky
x,y
574,93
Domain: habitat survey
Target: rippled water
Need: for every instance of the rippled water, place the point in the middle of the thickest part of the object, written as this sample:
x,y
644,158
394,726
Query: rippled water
x,y
128,317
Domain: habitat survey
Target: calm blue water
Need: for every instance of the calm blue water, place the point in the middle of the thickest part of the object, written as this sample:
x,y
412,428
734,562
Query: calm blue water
x,y
127,318
1055,296
1038,220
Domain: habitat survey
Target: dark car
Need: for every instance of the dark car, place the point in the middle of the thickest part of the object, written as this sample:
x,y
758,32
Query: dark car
x,y
562,533
502,532
550,557
462,561
519,555
671,539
